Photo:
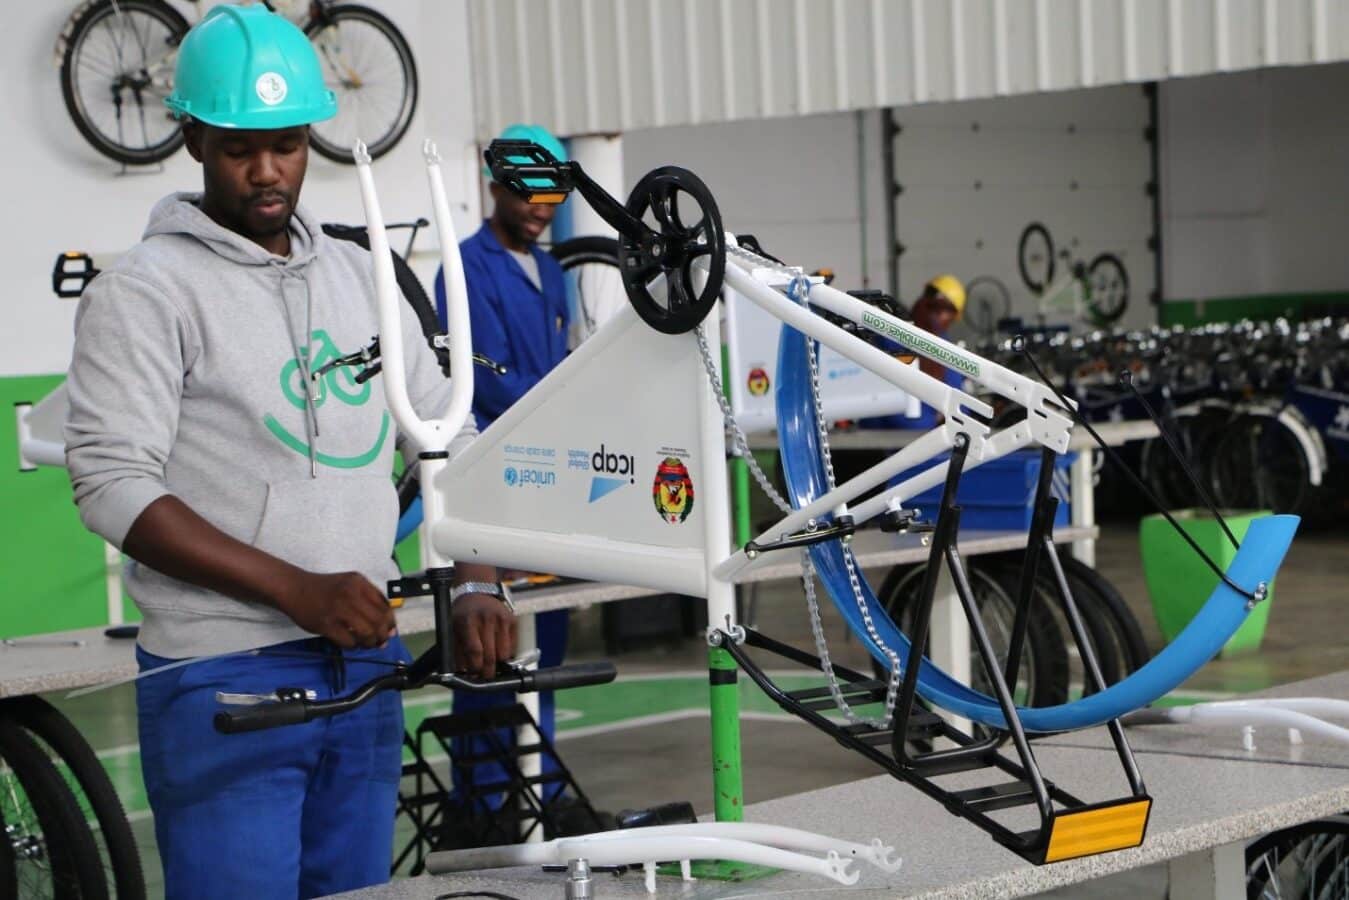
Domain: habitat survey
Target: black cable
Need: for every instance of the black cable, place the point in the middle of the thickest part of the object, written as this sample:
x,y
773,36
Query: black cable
x,y
319,656
1127,379
492,894
1019,344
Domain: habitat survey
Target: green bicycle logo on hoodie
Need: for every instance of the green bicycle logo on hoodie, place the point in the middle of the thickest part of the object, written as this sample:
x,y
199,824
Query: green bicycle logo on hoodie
x,y
339,383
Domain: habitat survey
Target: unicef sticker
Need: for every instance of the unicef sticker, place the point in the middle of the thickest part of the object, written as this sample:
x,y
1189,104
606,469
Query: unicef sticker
x,y
271,88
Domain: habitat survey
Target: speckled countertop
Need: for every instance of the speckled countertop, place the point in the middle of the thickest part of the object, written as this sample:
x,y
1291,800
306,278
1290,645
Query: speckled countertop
x,y
1198,803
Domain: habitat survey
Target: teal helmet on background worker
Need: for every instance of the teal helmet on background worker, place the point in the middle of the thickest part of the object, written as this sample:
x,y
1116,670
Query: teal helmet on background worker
x,y
246,67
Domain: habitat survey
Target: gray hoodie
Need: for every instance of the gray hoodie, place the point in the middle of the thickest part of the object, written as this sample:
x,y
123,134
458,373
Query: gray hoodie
x,y
188,378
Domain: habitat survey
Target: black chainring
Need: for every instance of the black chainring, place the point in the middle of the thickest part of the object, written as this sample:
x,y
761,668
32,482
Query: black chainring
x,y
672,249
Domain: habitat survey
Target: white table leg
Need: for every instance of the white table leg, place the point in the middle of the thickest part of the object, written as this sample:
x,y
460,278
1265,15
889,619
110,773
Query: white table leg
x,y
112,579
1083,493
950,637
532,764
1213,874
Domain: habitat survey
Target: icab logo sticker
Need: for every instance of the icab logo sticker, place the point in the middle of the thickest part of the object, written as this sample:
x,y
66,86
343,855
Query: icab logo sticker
x,y
758,382
672,491
271,88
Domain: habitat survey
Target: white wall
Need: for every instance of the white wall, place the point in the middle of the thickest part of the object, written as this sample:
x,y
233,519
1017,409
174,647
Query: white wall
x,y
975,174
1255,181
1255,174
62,195
792,183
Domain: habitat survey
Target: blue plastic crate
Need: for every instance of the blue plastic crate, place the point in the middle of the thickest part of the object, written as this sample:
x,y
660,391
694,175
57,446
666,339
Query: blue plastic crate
x,y
997,495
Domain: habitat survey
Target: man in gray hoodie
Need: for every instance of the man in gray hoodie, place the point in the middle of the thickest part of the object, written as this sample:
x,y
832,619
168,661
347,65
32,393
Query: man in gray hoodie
x,y
252,496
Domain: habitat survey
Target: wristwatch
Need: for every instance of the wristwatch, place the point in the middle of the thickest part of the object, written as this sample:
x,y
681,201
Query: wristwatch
x,y
491,588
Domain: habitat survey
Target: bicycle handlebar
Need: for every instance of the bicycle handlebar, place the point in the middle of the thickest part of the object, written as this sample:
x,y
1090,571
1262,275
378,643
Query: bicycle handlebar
x,y
265,715
298,710
560,678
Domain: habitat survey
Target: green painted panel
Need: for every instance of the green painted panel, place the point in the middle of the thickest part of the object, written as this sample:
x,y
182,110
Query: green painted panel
x,y
51,568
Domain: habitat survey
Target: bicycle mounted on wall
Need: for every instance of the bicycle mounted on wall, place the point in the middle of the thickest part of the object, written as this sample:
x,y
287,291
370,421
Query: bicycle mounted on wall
x,y
117,60
674,257
1095,292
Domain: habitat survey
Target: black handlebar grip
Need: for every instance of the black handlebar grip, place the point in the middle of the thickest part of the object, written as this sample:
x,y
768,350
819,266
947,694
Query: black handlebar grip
x,y
677,813
562,677
264,715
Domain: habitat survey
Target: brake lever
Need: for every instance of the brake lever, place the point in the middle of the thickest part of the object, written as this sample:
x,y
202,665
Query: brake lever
x,y
367,356
489,363
280,695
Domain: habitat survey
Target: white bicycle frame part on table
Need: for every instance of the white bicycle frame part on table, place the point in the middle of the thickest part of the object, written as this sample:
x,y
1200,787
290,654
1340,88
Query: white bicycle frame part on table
x,y
769,845
1297,714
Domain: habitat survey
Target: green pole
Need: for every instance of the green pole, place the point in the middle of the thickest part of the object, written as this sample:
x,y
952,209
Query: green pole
x,y
740,484
727,777
724,703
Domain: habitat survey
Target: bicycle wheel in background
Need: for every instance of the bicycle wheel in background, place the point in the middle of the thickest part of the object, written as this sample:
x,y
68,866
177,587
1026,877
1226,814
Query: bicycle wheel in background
x,y
1042,678
1109,285
987,302
594,285
93,791
116,71
1196,435
9,880
54,851
367,62
1035,257
1259,464
1048,605
1109,607
1305,861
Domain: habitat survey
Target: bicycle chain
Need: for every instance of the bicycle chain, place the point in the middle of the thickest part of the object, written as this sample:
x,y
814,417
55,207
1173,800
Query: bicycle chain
x,y
799,291
731,425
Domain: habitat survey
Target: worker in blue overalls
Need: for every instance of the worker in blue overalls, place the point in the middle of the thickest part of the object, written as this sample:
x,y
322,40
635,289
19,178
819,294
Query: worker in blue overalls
x,y
935,311
517,302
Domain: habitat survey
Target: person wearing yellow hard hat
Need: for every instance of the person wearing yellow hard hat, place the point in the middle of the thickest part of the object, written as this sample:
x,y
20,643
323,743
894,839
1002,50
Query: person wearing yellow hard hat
x,y
942,302
252,490
937,308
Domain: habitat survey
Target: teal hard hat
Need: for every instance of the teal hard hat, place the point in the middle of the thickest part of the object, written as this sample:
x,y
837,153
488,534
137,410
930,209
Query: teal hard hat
x,y
247,67
538,135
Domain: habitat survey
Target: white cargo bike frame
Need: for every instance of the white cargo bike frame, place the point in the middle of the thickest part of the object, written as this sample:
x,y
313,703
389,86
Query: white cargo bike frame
x,y
558,483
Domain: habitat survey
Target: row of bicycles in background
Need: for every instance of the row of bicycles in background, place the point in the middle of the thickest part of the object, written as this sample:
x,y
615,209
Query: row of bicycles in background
x,y
1260,410
66,833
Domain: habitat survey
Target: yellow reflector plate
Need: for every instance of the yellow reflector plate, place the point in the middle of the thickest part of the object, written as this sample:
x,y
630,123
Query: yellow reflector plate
x,y
1099,830
549,199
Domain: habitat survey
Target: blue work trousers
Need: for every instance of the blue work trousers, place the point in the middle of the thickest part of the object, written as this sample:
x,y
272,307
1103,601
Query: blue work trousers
x,y
296,811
